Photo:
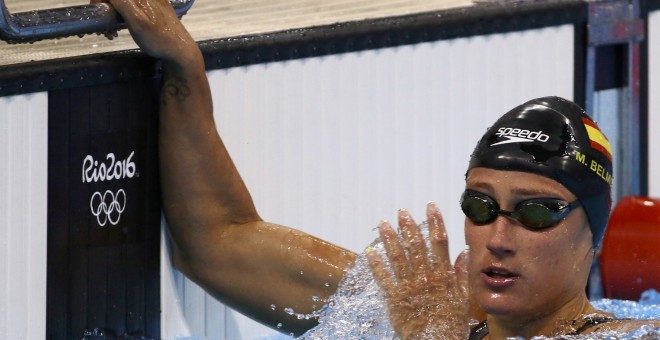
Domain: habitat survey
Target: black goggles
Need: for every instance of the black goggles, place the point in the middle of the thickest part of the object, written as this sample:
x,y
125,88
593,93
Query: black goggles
x,y
535,213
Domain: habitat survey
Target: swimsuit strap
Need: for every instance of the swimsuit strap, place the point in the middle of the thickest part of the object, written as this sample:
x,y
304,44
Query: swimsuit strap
x,y
479,331
590,322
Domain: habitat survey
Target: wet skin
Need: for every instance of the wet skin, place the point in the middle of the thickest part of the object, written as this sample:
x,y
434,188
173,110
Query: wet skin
x,y
527,280
220,241
218,238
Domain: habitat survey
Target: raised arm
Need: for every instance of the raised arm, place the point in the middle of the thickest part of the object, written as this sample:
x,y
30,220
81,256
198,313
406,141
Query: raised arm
x,y
219,240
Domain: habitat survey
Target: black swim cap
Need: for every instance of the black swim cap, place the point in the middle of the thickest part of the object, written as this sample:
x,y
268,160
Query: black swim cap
x,y
555,138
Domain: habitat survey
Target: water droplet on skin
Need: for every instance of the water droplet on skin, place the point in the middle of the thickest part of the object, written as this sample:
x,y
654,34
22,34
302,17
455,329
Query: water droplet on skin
x,y
327,284
288,311
358,310
301,272
315,298
273,307
279,325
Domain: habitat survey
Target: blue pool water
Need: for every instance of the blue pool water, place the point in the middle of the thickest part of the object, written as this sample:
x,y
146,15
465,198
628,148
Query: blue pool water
x,y
648,306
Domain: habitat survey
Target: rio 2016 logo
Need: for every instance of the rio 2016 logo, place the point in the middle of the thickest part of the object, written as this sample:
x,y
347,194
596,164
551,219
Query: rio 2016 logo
x,y
92,171
109,205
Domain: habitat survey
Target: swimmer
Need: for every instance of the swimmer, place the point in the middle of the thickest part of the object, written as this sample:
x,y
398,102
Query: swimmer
x,y
536,207
534,215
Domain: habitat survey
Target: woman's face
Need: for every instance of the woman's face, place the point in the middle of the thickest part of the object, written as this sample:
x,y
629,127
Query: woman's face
x,y
518,273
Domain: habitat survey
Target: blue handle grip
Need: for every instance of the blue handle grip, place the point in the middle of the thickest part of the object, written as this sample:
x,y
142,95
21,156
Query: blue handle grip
x,y
67,21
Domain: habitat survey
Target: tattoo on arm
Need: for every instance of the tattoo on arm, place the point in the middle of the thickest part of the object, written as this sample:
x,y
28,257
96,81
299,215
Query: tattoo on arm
x,y
175,89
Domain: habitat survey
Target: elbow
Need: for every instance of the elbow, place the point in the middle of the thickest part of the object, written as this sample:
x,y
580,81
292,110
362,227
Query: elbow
x,y
179,263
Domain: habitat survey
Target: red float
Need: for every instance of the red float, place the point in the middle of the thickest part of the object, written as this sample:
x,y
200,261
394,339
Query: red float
x,y
630,258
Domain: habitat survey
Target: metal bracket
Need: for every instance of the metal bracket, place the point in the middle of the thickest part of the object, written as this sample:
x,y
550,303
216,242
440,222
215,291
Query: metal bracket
x,y
98,18
615,22
618,22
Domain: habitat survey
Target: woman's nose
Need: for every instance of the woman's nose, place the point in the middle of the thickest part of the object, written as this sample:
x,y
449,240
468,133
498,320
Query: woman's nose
x,y
501,237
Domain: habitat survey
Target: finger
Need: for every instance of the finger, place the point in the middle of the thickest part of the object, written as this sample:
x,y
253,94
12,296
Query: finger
x,y
139,14
460,267
153,6
127,9
439,241
380,273
153,11
414,243
395,252
163,7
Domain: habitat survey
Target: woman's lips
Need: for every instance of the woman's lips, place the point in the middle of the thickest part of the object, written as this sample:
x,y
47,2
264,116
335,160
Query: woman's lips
x,y
498,278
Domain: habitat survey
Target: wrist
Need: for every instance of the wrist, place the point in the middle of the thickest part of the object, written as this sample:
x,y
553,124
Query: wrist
x,y
188,62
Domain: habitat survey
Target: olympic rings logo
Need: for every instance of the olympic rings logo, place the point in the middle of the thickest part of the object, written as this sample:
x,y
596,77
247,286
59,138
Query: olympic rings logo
x,y
108,207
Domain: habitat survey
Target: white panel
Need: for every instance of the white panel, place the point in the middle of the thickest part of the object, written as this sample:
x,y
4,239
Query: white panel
x,y
654,103
608,105
23,216
332,145
173,324
204,315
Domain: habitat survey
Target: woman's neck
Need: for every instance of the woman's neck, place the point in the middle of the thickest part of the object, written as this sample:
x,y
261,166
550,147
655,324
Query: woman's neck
x,y
550,324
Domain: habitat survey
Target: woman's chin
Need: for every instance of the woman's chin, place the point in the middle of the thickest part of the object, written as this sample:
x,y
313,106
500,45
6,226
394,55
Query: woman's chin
x,y
503,306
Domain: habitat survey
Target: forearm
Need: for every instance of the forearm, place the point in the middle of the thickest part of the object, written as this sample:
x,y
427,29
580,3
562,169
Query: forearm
x,y
202,190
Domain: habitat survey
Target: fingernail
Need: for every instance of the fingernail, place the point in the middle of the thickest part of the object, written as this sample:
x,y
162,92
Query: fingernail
x,y
463,257
384,225
431,207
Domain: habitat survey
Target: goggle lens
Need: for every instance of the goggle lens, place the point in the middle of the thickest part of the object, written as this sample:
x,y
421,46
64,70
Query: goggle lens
x,y
478,209
536,213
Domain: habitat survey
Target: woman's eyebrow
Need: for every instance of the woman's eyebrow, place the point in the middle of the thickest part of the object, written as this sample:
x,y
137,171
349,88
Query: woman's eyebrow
x,y
472,184
522,191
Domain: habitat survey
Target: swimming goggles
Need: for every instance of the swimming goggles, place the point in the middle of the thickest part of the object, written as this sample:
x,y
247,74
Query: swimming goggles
x,y
535,213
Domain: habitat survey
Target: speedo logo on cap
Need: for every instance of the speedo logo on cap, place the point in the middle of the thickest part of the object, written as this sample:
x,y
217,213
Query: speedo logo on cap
x,y
515,135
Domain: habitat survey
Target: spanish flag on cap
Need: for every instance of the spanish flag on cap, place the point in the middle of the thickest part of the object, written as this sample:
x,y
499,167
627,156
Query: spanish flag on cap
x,y
598,139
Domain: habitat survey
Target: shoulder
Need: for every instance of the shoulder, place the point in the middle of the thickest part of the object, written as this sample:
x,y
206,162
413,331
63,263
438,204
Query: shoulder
x,y
622,325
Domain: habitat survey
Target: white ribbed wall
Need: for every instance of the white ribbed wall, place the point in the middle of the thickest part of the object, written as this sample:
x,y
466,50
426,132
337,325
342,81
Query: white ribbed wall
x,y
23,216
332,145
654,103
